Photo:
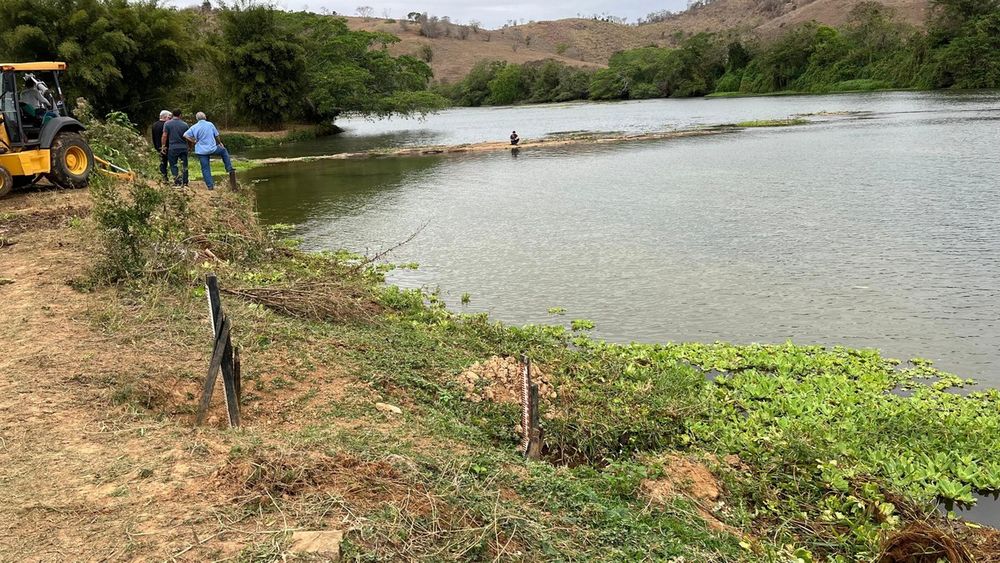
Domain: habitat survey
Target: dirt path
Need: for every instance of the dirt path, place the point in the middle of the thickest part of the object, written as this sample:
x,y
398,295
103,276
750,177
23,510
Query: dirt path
x,y
69,477
84,475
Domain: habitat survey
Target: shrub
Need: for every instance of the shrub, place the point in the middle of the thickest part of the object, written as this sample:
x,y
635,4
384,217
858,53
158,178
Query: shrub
x,y
142,230
430,26
426,53
115,139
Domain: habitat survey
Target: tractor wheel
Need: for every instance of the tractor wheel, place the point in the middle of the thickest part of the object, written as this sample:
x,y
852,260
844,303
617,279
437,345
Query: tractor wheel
x,y
72,161
6,182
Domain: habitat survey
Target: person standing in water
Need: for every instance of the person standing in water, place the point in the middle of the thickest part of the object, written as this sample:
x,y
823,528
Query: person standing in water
x,y
514,139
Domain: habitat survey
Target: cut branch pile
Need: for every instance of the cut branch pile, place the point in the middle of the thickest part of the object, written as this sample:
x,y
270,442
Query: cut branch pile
x,y
315,300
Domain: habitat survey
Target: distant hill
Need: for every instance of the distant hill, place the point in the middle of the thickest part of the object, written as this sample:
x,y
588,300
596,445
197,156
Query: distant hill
x,y
454,49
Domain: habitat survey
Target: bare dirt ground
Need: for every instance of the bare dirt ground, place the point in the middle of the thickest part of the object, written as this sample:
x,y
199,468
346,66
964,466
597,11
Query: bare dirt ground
x,y
85,475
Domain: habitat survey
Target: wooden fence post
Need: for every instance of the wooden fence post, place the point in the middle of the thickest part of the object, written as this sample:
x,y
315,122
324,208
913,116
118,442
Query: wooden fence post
x,y
531,443
224,358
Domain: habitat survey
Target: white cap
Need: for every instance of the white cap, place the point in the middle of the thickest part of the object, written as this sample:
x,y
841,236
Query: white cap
x,y
165,113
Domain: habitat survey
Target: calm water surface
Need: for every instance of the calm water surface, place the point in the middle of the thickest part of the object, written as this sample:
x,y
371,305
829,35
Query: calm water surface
x,y
880,230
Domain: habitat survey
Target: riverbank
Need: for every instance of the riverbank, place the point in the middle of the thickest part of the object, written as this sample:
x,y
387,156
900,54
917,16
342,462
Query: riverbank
x,y
239,140
379,413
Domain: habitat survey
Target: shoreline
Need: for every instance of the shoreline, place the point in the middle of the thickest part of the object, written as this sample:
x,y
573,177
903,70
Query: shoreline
x,y
324,344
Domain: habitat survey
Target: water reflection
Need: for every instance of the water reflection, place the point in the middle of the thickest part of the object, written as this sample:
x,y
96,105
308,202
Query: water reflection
x,y
299,193
986,511
354,139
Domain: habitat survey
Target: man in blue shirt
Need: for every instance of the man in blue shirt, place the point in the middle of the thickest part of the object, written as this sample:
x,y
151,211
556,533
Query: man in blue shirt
x,y
173,145
205,138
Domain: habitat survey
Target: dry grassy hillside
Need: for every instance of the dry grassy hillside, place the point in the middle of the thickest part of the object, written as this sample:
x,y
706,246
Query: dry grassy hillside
x,y
451,56
835,12
589,43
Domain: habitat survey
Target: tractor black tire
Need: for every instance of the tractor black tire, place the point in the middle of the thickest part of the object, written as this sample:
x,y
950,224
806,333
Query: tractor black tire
x,y
6,182
72,161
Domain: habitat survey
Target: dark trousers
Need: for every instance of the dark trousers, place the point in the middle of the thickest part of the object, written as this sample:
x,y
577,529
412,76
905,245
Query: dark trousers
x,y
163,166
172,158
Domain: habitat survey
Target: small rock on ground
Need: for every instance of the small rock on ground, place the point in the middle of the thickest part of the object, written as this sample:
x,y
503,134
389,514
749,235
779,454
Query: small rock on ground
x,y
387,408
325,543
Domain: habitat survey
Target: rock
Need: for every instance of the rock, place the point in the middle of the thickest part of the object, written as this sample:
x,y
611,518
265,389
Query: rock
x,y
387,408
325,543
5,281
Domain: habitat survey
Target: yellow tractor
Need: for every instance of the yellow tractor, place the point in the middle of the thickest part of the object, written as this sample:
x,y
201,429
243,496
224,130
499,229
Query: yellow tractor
x,y
38,138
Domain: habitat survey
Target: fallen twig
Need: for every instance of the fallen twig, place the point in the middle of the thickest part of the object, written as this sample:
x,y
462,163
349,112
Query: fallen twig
x,y
382,254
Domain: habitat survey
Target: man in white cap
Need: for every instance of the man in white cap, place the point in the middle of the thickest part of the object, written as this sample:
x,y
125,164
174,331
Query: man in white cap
x,y
158,141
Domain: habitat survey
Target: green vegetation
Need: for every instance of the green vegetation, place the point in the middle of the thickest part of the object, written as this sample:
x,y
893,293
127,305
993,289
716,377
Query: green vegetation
x,y
498,83
829,459
873,51
121,55
819,455
272,66
651,72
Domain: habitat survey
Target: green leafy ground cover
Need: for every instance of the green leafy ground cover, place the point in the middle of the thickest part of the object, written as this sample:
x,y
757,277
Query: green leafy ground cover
x,y
836,459
830,460
818,458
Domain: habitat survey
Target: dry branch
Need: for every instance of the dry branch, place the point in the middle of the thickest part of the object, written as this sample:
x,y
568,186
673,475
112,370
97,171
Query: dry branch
x,y
327,301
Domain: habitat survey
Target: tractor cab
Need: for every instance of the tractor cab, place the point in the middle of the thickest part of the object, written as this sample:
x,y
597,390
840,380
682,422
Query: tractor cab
x,y
38,138
31,97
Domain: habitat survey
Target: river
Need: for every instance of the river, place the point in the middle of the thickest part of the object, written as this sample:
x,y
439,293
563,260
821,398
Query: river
x,y
876,229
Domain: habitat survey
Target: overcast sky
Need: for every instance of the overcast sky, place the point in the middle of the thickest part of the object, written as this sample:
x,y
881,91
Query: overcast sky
x,y
490,14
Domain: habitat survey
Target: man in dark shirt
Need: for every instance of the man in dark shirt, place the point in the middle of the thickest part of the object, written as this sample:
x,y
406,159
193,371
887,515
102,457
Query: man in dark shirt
x,y
158,141
172,144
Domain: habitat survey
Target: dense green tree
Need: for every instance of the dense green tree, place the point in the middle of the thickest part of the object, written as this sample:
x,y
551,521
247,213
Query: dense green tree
x,y
972,59
633,74
948,18
263,67
121,55
700,61
508,86
353,71
965,44
553,81
474,89
651,72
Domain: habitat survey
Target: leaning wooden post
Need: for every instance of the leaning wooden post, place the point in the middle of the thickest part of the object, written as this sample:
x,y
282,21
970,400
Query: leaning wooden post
x,y
531,443
238,375
213,371
525,405
535,441
223,358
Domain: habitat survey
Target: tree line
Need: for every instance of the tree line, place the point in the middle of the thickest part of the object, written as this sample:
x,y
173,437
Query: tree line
x,y
959,48
246,63
251,64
